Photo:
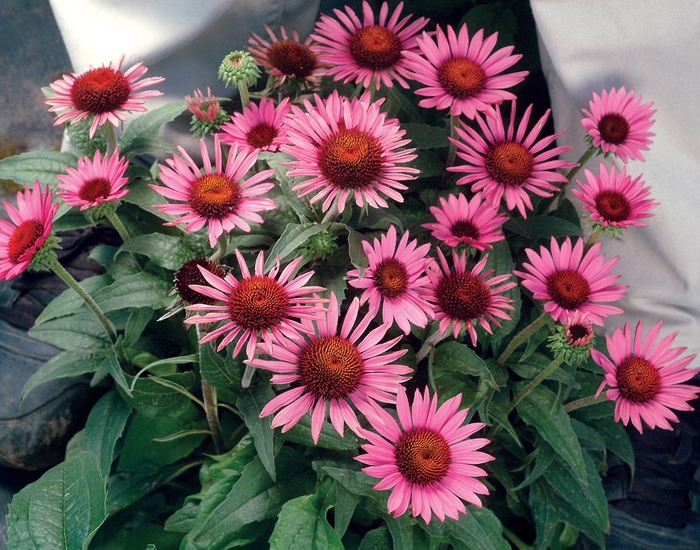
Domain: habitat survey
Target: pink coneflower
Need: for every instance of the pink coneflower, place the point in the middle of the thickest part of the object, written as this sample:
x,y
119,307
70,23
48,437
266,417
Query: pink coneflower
x,y
30,227
190,274
349,148
395,280
618,124
206,109
645,377
462,74
614,198
473,222
571,281
95,181
426,458
258,128
574,338
510,162
331,367
463,296
220,197
106,93
360,51
288,58
256,305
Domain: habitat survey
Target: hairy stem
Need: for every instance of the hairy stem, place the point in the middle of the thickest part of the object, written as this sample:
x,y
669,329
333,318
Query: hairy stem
x,y
586,402
534,383
428,345
119,226
522,336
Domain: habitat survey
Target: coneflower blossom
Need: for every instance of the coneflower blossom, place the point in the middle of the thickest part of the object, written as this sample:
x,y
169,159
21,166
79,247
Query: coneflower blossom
x,y
573,339
427,458
619,124
467,297
258,128
510,162
362,50
106,93
330,368
256,305
463,73
572,281
190,274
645,376
349,149
474,222
207,114
30,227
395,280
220,197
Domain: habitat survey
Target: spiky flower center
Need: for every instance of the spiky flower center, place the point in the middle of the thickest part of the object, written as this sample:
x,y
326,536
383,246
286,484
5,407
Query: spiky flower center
x,y
97,188
465,229
330,367
422,456
568,288
261,135
460,77
100,90
214,196
291,58
579,334
375,47
23,238
638,380
463,296
613,206
189,274
613,128
351,159
509,163
391,278
258,303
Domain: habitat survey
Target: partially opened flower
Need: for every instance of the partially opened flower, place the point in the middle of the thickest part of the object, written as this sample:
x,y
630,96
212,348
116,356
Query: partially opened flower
x,y
427,459
207,114
256,305
619,124
395,280
572,281
510,162
463,74
614,199
645,376
574,338
474,222
97,180
467,297
258,128
106,93
220,197
362,50
349,149
331,368
27,232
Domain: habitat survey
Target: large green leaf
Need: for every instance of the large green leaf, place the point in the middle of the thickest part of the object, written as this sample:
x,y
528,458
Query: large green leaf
x,y
329,439
219,372
251,403
147,126
69,302
144,196
424,136
80,331
60,511
377,539
292,239
165,250
459,358
478,529
154,399
125,488
137,290
104,427
37,165
545,227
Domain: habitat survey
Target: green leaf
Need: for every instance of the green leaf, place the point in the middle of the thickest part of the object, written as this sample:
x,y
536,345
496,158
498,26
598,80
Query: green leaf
x,y
62,510
153,399
356,250
428,163
250,404
329,439
456,357
125,488
164,250
544,227
345,505
182,521
80,331
616,439
111,364
144,196
148,125
137,290
138,319
28,167
218,372
357,482
141,145
501,261
104,427
376,539
424,136
292,239
302,523
69,302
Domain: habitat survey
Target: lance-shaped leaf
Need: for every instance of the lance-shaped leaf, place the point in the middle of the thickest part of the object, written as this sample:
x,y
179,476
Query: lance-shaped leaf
x,y
37,165
104,427
148,125
251,403
166,251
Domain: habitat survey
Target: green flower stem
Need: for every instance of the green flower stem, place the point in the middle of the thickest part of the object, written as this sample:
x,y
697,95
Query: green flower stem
x,y
119,226
221,249
586,402
583,160
210,405
522,336
333,211
452,153
247,376
67,278
111,137
429,345
593,238
243,90
534,383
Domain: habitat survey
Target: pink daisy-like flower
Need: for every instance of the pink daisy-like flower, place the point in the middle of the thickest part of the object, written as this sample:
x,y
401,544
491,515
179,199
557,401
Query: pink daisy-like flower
x,y
426,458
360,51
463,296
258,128
474,222
257,304
331,367
645,377
462,73
571,281
395,280
510,162
349,148
614,198
619,124
97,180
30,227
288,58
106,93
219,197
